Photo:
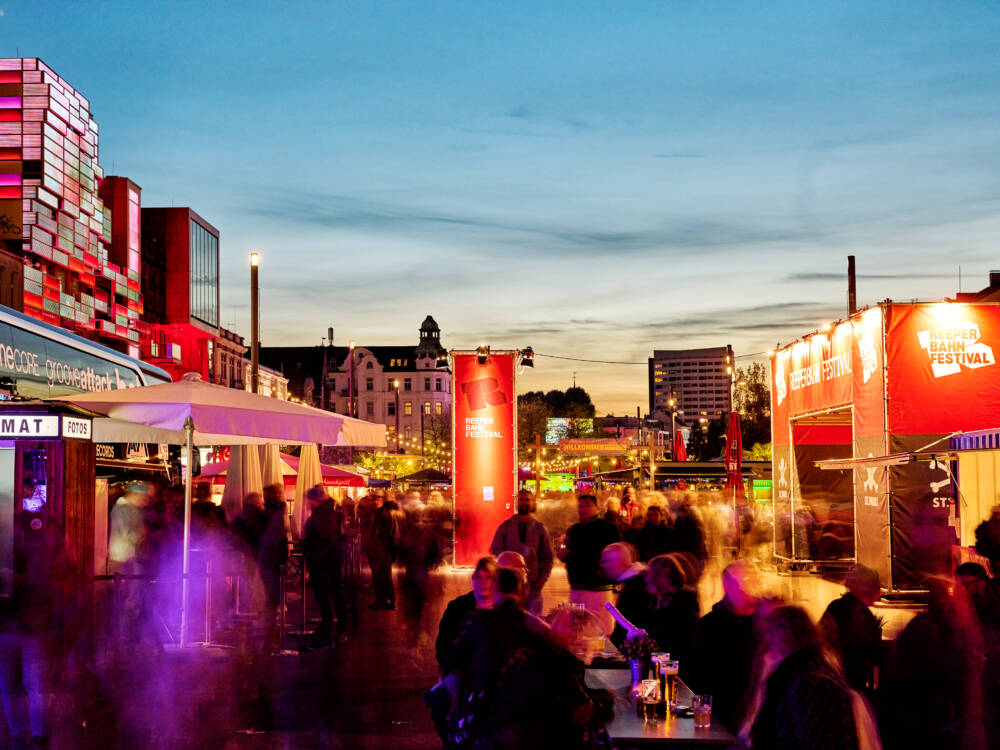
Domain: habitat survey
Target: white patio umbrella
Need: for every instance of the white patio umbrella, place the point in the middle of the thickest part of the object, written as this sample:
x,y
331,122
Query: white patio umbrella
x,y
242,477
191,412
310,474
272,469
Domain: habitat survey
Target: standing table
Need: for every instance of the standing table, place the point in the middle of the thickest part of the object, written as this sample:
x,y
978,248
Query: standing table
x,y
628,729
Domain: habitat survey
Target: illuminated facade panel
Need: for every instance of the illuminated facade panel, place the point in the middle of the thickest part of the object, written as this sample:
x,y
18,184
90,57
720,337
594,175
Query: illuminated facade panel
x,y
53,216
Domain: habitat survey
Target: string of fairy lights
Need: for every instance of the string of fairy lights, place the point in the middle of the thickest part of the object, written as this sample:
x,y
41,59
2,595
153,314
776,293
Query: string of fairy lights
x,y
437,455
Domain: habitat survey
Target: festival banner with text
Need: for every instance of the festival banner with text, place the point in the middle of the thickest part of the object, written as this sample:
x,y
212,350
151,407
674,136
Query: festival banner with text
x,y
841,367
485,444
943,364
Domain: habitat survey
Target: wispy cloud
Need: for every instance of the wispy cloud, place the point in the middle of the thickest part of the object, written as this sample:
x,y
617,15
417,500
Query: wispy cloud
x,y
829,276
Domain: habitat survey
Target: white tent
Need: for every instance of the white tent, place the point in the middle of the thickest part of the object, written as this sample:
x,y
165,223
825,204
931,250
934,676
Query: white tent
x,y
221,416
192,412
310,474
242,478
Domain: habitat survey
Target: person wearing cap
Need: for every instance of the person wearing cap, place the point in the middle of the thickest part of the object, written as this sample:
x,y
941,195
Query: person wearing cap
x,y
323,546
525,535
852,631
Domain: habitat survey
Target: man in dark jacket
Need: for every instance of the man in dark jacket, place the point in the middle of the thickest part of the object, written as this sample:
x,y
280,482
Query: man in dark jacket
x,y
852,630
459,609
384,537
725,646
490,639
453,621
654,538
273,543
323,546
581,551
527,536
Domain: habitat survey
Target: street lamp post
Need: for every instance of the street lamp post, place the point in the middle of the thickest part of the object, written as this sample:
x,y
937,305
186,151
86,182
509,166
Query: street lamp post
x,y
395,387
673,428
350,380
254,324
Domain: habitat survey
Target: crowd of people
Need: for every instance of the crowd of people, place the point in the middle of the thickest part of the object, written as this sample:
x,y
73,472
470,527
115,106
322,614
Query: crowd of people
x,y
779,679
512,660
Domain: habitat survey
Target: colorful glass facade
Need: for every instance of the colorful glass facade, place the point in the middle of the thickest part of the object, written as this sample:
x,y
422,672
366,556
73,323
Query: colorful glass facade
x,y
51,212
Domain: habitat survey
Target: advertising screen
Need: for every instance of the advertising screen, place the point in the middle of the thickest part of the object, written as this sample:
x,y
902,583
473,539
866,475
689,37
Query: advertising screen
x,y
485,469
560,428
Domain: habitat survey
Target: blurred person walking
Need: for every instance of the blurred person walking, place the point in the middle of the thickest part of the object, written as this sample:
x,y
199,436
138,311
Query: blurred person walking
x,y
456,615
930,688
674,610
655,537
323,547
273,552
581,551
419,553
804,701
853,632
490,639
620,564
725,645
986,598
527,536
31,623
384,537
689,533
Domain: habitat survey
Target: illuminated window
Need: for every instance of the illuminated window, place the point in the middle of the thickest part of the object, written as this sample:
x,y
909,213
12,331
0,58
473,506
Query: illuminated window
x,y
407,408
437,407
427,407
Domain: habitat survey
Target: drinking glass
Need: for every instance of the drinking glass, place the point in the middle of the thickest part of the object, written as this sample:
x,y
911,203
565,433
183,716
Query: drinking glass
x,y
702,705
648,697
669,670
658,658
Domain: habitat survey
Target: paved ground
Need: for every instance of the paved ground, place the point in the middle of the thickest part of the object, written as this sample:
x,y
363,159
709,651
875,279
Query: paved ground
x,y
362,694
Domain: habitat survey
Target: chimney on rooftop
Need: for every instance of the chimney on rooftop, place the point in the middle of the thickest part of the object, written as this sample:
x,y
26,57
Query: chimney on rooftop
x,y
852,287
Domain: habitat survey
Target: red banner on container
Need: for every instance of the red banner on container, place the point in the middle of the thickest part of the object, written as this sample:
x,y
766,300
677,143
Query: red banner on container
x,y
839,368
484,466
943,368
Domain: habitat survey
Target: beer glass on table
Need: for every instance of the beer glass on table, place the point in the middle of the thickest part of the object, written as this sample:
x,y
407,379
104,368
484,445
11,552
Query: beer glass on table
x,y
648,698
669,670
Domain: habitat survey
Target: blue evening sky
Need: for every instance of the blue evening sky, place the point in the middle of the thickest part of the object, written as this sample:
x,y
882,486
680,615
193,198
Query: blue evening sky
x,y
593,179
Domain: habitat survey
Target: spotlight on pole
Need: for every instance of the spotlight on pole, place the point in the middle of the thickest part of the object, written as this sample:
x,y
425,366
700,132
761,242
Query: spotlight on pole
x,y
482,354
528,357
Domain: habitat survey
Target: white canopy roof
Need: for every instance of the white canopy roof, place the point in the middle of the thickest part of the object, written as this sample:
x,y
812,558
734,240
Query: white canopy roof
x,y
222,416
